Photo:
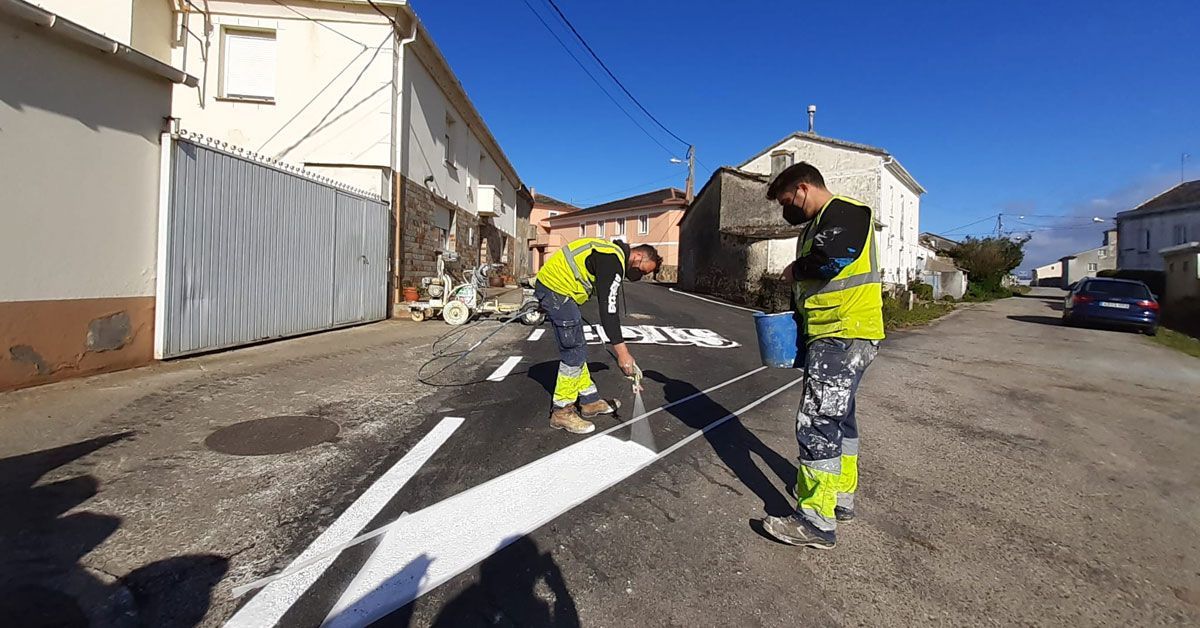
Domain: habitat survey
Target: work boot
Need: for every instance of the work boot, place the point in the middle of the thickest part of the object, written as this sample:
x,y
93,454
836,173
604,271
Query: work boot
x,y
566,418
843,514
597,408
796,530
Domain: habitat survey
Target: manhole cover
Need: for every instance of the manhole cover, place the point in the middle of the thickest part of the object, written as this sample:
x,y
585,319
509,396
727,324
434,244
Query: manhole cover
x,y
272,435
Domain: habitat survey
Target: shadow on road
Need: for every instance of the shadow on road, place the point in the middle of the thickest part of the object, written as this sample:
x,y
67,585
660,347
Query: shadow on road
x,y
42,582
518,586
732,442
546,373
1041,320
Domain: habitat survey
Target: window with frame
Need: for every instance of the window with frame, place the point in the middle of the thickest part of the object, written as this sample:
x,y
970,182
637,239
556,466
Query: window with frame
x,y
448,141
1093,267
600,229
643,224
582,229
248,64
552,213
620,226
1146,240
1180,234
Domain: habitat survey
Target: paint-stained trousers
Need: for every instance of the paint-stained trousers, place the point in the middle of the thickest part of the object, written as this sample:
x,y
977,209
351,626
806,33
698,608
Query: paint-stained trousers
x,y
827,429
574,382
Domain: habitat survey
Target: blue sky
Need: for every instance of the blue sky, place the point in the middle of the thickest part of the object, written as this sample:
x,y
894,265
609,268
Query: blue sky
x,y
1050,109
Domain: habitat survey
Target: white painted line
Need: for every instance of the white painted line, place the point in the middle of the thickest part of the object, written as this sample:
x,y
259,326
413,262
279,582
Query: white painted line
x,y
429,547
696,296
536,335
266,608
499,374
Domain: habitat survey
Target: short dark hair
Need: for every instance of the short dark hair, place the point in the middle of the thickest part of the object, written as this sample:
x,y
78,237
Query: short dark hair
x,y
650,252
793,175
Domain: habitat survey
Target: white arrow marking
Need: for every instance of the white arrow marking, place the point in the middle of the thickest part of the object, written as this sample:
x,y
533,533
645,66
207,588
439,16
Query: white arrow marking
x,y
282,590
429,547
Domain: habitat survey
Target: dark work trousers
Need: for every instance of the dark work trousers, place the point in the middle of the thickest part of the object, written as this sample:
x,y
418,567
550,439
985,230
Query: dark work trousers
x,y
574,382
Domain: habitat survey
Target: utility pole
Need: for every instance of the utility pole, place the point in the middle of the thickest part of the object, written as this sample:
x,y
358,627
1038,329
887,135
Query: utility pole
x,y
999,225
691,178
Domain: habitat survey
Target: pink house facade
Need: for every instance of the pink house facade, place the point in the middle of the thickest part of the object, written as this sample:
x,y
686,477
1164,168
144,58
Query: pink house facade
x,y
650,218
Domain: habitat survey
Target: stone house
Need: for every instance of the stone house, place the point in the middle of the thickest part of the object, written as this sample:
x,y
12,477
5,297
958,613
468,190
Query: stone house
x,y
733,235
1169,219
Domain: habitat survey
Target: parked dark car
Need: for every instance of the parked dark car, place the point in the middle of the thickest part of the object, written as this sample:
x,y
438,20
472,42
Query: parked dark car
x,y
1112,302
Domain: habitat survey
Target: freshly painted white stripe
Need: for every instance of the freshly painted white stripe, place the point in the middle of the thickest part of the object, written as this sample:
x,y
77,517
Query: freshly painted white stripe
x,y
429,547
499,374
266,608
333,551
696,296
536,335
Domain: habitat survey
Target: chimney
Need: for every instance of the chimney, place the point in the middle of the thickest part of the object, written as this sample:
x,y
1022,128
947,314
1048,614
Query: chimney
x,y
812,114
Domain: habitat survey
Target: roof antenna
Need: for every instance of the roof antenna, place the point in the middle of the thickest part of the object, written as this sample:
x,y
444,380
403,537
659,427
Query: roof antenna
x,y
812,114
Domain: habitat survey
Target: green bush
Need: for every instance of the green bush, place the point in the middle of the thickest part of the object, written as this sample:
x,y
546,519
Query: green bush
x,y
949,298
896,316
1019,290
979,292
921,289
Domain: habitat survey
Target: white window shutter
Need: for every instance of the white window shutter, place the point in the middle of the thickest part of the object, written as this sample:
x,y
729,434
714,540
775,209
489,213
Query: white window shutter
x,y
249,64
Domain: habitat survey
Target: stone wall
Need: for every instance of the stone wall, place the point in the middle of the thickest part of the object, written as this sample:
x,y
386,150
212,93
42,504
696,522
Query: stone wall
x,y
418,240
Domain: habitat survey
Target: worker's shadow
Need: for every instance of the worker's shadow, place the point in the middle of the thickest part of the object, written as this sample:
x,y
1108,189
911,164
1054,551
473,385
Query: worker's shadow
x,y
546,373
732,442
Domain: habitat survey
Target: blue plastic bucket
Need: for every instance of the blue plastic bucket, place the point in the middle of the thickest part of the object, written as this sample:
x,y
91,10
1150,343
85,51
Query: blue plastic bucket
x,y
777,339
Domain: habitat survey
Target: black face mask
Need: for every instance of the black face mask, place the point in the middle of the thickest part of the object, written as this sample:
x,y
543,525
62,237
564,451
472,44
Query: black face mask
x,y
633,273
794,215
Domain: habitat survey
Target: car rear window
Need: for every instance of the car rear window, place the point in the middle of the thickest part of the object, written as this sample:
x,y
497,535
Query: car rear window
x,y
1117,289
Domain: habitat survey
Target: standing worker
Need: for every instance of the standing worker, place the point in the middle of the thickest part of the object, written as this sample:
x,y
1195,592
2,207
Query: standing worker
x,y
839,303
566,281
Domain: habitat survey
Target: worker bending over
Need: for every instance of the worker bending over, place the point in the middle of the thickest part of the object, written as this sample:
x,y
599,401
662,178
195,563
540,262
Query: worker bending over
x,y
566,281
838,297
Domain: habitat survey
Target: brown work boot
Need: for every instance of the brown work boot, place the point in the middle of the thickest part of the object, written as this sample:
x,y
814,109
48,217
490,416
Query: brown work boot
x,y
566,418
597,408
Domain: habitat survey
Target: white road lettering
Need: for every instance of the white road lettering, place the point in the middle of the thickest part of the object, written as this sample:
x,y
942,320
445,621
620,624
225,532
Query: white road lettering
x,y
666,336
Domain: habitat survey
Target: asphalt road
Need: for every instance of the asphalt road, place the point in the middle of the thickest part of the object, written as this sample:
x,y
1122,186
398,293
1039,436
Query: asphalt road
x,y
1014,471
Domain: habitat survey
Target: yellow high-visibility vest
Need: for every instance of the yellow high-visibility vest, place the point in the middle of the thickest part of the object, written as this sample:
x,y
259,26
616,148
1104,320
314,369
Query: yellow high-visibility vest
x,y
566,271
851,304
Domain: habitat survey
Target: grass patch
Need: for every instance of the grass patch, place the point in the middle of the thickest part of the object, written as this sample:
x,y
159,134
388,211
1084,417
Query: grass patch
x,y
1019,290
1180,342
896,317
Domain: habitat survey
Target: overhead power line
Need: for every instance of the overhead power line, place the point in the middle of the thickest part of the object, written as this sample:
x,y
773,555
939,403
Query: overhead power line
x,y
614,76
594,79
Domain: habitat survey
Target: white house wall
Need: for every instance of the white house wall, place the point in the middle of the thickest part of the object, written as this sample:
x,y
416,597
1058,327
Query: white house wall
x,y
423,158
333,99
111,18
899,210
1133,251
81,158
